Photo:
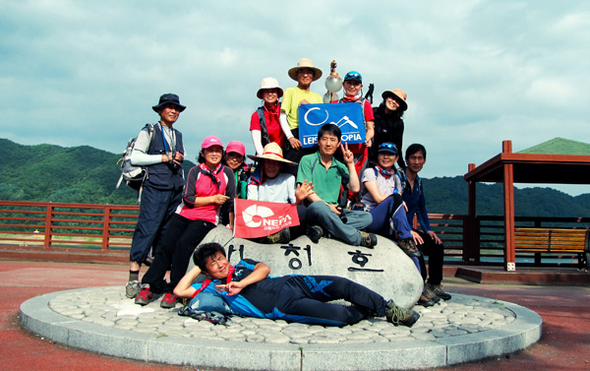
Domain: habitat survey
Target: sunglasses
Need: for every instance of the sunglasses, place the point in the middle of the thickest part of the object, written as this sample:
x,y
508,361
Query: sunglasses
x,y
353,76
390,146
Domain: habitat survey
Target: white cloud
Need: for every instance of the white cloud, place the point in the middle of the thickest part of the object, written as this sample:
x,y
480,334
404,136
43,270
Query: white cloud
x,y
476,72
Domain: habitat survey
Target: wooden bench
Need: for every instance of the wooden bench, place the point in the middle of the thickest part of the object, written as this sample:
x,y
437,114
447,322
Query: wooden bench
x,y
554,240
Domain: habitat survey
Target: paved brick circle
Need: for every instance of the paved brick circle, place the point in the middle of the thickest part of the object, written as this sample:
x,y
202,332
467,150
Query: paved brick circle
x,y
103,320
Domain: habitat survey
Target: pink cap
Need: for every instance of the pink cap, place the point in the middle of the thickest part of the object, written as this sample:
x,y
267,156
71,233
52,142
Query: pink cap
x,y
237,147
211,141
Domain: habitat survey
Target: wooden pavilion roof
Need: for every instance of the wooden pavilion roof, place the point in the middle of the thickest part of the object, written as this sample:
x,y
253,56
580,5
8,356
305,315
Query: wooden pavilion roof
x,y
533,165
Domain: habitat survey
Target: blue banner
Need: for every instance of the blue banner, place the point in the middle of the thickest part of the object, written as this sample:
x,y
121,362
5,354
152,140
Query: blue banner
x,y
347,116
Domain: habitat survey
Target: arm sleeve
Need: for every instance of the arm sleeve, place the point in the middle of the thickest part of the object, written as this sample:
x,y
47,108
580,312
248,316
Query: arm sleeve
x,y
139,155
399,144
304,171
257,140
285,125
422,212
291,189
189,196
252,192
369,115
369,175
230,191
398,185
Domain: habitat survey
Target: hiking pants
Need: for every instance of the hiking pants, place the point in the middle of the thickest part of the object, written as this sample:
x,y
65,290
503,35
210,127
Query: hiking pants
x,y
156,208
320,213
436,256
390,210
304,299
176,247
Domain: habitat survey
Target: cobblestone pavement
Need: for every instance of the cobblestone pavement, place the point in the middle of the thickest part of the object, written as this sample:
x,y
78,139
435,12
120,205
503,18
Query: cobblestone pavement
x,y
108,306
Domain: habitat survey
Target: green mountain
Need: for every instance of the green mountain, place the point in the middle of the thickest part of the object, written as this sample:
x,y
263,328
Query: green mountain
x,y
52,173
88,175
449,196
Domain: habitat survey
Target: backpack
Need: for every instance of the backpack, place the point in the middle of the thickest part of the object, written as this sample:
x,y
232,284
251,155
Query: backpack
x,y
263,129
132,175
404,180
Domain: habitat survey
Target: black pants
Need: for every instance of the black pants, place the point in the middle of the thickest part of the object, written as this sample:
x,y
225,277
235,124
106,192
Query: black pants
x,y
304,299
176,247
436,256
292,154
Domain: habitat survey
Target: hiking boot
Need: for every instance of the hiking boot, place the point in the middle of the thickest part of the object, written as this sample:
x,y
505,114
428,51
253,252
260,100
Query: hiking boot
x,y
430,294
168,301
438,290
282,236
398,315
132,289
425,301
368,239
409,247
144,296
315,232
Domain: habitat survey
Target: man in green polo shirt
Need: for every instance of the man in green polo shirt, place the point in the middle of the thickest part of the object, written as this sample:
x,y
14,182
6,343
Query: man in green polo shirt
x,y
327,175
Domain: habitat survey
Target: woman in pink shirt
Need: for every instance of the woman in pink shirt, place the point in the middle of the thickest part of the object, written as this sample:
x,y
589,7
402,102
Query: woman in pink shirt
x,y
209,187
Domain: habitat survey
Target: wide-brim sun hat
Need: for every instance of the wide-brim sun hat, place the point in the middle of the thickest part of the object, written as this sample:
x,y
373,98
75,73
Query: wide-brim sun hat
x,y
398,95
237,147
269,83
272,151
211,141
169,98
305,63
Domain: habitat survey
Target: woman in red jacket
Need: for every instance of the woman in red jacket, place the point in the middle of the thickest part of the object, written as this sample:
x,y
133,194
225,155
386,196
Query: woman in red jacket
x,y
264,124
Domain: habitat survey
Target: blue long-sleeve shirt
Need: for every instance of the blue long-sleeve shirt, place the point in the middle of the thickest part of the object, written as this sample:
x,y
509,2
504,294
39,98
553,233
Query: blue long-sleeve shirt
x,y
415,201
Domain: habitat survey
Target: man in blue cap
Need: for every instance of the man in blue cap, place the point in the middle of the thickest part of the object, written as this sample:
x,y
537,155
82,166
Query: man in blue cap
x,y
159,148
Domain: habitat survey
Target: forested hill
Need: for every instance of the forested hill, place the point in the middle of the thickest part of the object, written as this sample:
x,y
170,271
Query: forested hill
x,y
449,196
51,173
88,175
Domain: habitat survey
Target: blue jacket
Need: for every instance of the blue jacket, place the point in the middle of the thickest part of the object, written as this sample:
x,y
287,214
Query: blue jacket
x,y
415,201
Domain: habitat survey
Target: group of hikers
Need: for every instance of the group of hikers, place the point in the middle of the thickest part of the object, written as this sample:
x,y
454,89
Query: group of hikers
x,y
349,192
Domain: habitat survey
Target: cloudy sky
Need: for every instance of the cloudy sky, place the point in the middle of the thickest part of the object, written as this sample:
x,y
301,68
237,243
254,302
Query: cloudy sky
x,y
476,72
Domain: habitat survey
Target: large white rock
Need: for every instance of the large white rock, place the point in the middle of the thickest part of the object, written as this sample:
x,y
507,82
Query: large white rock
x,y
385,268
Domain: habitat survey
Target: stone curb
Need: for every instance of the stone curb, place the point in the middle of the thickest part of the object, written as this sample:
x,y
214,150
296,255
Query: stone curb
x,y
37,317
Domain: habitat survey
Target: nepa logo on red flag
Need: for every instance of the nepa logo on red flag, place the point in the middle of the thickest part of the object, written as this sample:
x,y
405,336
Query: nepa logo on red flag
x,y
259,219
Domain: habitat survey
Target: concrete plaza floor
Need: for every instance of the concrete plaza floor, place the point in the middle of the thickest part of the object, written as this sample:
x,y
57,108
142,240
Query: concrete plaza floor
x,y
565,343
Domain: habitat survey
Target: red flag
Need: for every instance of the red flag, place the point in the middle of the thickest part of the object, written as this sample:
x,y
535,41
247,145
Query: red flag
x,y
259,219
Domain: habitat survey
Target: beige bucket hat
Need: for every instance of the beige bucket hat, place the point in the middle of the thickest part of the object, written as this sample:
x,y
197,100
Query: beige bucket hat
x,y
305,63
269,83
399,95
272,151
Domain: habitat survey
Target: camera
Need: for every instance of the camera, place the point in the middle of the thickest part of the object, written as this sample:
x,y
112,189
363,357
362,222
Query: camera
x,y
171,162
342,216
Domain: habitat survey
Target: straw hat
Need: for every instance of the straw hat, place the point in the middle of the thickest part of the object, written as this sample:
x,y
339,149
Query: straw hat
x,y
272,151
398,95
305,63
269,83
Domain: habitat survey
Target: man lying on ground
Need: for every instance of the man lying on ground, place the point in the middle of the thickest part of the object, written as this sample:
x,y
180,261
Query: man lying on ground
x,y
248,290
